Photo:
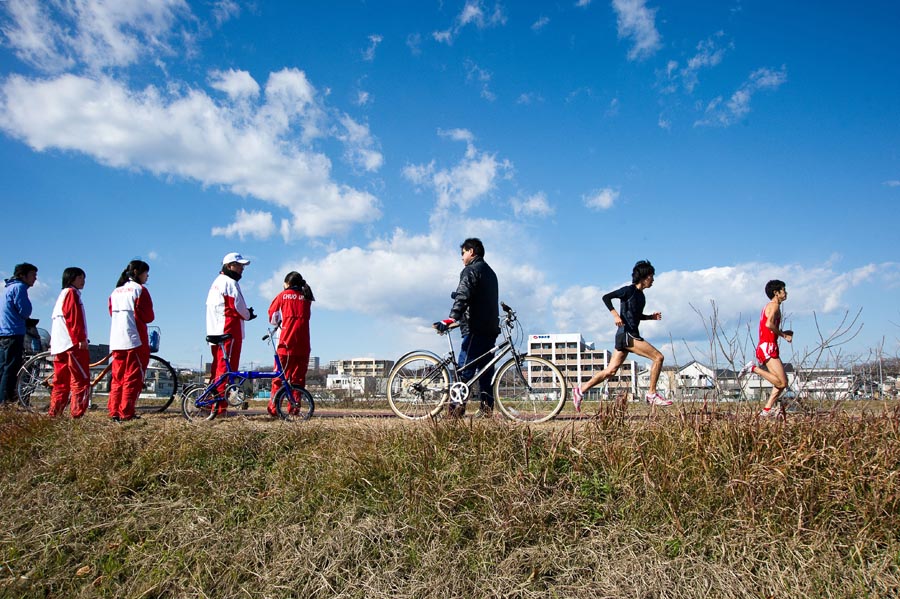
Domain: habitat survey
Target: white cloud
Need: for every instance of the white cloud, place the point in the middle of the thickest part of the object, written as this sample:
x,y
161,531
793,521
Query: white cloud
x,y
736,290
236,84
601,199
225,10
369,53
637,22
540,23
362,98
473,13
256,224
360,145
466,183
414,43
56,35
534,205
529,98
724,114
583,3
406,279
263,149
709,54
476,74
893,183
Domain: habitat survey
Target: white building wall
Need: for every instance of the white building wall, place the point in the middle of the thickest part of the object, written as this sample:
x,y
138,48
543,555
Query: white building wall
x,y
579,361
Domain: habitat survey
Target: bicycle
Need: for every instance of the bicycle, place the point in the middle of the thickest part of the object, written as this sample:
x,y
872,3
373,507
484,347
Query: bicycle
x,y
201,402
526,388
35,381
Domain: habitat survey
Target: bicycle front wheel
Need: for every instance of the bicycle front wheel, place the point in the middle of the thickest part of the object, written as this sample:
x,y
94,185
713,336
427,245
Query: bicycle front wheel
x,y
160,386
531,390
418,386
35,382
296,407
193,409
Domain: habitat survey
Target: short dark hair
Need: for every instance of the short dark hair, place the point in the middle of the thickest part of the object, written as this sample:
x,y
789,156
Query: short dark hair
x,y
474,244
773,286
23,270
70,274
642,269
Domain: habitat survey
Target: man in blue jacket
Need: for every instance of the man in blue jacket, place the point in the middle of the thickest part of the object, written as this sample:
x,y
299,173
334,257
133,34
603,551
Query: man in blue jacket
x,y
476,308
16,309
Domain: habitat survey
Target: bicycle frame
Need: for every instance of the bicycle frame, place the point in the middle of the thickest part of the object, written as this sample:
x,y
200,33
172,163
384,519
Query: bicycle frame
x,y
500,351
211,396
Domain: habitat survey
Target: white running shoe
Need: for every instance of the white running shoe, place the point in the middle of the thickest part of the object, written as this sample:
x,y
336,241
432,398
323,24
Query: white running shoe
x,y
770,413
747,369
577,398
655,399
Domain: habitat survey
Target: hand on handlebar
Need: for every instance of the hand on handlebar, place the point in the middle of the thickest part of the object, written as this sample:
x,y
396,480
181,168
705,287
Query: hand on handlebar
x,y
444,325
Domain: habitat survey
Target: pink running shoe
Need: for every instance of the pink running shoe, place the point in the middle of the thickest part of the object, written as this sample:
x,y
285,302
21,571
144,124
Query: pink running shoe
x,y
655,399
577,398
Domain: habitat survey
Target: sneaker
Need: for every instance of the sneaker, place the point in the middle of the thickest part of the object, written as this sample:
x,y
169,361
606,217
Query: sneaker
x,y
747,369
770,413
270,408
577,398
655,399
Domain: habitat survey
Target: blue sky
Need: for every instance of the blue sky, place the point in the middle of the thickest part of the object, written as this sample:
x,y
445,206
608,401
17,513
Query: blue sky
x,y
360,142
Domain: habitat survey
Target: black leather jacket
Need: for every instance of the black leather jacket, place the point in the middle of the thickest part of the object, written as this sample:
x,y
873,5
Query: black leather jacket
x,y
476,300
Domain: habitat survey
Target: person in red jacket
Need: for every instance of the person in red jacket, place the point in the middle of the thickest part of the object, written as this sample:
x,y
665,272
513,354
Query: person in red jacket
x,y
226,312
131,308
69,347
291,310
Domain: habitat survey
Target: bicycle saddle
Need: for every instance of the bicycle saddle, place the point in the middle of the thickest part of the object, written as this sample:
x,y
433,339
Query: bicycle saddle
x,y
217,339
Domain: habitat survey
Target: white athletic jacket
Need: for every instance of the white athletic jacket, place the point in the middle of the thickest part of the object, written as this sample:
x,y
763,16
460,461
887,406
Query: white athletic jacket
x,y
131,309
68,326
226,309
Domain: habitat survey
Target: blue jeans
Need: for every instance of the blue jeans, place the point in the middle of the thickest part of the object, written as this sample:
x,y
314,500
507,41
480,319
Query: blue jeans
x,y
473,345
11,351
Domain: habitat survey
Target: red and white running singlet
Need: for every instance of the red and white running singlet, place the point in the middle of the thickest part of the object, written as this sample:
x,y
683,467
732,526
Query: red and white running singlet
x,y
768,340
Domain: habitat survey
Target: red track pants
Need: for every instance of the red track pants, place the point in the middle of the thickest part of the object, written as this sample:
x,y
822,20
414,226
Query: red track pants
x,y
71,377
233,352
295,366
128,368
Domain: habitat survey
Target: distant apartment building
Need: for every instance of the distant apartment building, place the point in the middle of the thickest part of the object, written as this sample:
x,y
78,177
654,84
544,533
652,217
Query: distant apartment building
x,y
579,361
354,384
364,367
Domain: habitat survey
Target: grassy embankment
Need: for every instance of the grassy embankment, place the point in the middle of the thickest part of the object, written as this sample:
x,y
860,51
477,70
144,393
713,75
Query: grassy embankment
x,y
673,505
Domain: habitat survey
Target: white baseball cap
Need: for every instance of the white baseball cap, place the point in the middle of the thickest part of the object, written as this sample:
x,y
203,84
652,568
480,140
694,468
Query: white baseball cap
x,y
234,257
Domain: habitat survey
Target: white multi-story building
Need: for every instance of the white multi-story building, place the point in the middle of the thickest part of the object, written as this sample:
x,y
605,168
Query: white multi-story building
x,y
579,361
365,367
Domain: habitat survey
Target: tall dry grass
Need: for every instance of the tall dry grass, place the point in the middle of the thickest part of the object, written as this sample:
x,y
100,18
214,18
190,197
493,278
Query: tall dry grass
x,y
674,505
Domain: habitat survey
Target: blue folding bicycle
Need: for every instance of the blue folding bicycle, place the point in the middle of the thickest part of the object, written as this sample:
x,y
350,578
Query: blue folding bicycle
x,y
292,403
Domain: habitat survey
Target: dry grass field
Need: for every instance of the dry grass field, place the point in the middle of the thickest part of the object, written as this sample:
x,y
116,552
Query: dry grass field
x,y
690,502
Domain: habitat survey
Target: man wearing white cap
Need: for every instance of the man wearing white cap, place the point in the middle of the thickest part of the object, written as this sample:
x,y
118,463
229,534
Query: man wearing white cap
x,y
226,312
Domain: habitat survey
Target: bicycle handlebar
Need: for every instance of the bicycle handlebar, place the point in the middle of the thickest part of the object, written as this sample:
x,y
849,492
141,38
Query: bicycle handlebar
x,y
271,332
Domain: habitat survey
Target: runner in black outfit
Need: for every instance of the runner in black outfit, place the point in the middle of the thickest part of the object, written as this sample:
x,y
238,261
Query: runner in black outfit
x,y
628,337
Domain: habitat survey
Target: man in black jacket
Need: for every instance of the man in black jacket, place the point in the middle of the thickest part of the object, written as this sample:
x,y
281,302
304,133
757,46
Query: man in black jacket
x,y
475,307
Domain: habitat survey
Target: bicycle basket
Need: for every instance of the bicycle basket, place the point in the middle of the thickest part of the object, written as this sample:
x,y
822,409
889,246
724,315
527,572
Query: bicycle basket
x,y
153,334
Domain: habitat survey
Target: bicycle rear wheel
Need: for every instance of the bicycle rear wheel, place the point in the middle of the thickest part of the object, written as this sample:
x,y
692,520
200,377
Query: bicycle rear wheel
x,y
160,386
530,390
418,386
194,411
35,382
298,409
